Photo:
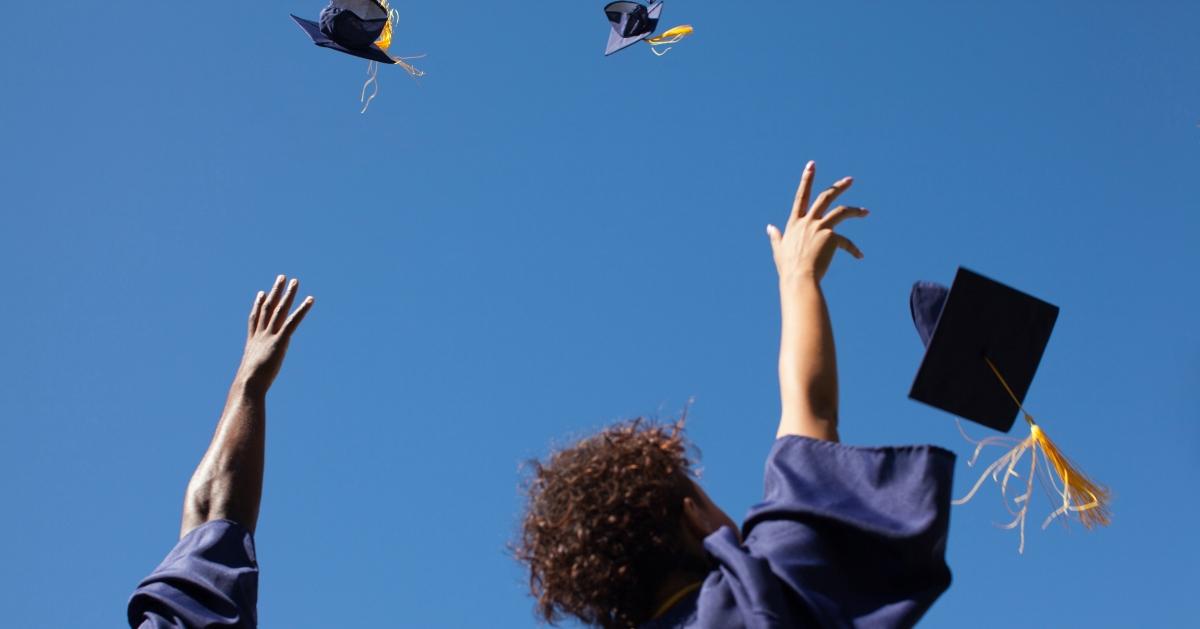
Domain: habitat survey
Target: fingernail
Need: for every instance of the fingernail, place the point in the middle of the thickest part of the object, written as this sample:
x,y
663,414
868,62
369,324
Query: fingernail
x,y
810,165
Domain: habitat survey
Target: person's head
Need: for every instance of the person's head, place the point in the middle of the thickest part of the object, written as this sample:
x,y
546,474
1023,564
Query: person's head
x,y
610,520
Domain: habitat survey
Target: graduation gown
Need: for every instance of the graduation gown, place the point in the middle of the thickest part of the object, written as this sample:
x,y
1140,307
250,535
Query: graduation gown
x,y
844,537
210,579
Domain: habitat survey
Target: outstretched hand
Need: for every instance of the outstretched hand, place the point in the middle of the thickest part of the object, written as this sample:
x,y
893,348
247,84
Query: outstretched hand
x,y
806,247
269,330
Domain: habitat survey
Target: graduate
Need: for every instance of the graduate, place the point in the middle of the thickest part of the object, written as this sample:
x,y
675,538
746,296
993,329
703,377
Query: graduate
x,y
210,578
617,533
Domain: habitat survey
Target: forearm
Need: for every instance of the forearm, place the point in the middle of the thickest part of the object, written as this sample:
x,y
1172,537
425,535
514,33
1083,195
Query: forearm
x,y
808,386
227,484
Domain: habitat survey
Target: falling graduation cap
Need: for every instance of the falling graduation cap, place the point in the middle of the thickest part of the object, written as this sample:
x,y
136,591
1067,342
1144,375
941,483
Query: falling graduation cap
x,y
362,28
983,342
633,22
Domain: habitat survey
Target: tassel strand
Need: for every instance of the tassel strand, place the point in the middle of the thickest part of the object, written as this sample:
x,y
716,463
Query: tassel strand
x,y
1079,494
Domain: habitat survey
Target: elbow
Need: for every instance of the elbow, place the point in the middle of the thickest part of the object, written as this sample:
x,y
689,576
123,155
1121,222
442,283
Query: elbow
x,y
218,497
198,500
822,405
812,425
824,415
820,417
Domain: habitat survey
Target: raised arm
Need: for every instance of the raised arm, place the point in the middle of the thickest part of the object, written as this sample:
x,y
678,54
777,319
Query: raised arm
x,y
227,484
808,387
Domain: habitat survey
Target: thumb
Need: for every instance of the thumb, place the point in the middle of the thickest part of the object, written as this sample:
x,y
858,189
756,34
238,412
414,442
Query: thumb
x,y
774,235
847,244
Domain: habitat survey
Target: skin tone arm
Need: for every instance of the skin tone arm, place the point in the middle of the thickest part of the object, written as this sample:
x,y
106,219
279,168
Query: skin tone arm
x,y
807,366
227,484
808,387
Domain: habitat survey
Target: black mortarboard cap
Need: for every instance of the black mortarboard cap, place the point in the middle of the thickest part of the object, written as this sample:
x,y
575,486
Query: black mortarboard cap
x,y
978,318
631,23
349,26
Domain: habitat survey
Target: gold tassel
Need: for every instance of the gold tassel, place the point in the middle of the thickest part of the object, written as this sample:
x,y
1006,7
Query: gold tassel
x,y
385,38
1080,495
670,36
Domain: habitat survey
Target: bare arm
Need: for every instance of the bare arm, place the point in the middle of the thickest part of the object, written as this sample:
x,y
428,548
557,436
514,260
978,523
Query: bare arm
x,y
227,484
808,387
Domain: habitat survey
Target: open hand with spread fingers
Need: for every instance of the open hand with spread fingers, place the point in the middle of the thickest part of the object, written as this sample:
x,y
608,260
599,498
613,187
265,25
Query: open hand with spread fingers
x,y
806,246
269,331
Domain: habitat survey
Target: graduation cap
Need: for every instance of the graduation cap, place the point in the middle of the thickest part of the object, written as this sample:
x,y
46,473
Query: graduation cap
x,y
983,343
964,327
633,22
350,26
362,28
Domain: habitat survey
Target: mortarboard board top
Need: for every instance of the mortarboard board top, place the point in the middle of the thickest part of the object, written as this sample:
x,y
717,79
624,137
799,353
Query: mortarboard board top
x,y
978,319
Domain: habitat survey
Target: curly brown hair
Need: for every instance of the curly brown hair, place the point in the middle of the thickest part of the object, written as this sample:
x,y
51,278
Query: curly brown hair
x,y
602,526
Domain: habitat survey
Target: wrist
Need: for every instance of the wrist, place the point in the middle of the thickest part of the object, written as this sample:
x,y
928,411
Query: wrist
x,y
247,388
799,284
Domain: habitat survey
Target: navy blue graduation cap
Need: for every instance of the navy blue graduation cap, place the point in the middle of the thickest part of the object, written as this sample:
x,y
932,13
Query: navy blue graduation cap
x,y
352,27
633,22
963,327
362,28
983,342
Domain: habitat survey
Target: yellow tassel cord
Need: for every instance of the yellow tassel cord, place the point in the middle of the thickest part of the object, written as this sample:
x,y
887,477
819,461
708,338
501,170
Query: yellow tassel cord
x,y
675,598
385,38
1080,495
383,43
670,36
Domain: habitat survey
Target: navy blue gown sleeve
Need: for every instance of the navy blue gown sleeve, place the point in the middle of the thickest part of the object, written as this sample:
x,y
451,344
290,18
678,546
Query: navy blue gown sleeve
x,y
845,537
210,579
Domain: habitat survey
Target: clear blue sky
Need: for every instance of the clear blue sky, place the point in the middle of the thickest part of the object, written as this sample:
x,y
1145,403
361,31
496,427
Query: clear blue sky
x,y
535,240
